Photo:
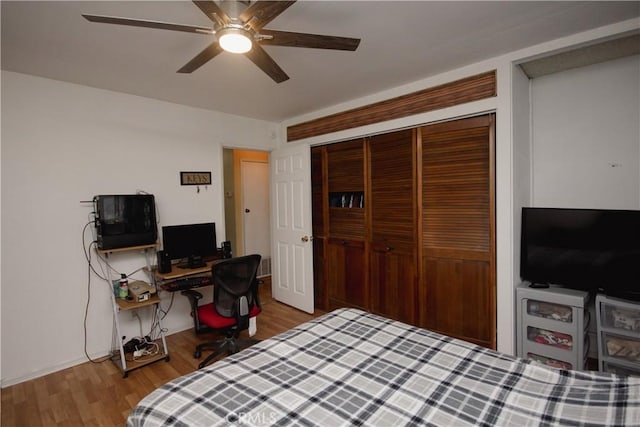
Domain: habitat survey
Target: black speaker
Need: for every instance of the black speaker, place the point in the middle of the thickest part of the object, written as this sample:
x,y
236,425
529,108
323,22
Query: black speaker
x,y
226,249
164,262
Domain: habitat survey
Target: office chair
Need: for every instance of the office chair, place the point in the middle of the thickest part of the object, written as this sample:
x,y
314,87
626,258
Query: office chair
x,y
235,301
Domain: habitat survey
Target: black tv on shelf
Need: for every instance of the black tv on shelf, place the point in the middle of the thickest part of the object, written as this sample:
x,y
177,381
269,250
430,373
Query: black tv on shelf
x,y
124,220
586,249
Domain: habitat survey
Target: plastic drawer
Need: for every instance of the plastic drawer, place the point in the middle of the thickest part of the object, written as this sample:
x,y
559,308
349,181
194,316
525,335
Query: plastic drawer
x,y
548,310
549,361
550,337
549,323
621,347
620,318
570,356
621,370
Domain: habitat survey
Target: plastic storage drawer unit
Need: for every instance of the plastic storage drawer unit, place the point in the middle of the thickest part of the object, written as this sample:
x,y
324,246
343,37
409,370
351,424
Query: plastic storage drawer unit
x,y
552,326
618,324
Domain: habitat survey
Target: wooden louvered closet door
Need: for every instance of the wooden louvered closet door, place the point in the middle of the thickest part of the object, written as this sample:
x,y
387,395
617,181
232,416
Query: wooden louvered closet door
x,y
319,213
457,288
393,260
346,275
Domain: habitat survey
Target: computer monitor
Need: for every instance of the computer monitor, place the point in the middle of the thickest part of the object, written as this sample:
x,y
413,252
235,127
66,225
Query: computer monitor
x,y
196,242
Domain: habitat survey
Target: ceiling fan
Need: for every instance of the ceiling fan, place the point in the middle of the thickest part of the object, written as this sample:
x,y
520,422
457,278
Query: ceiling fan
x,y
241,32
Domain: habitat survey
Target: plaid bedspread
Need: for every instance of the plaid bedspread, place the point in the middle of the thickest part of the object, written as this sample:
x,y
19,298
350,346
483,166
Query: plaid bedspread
x,y
351,367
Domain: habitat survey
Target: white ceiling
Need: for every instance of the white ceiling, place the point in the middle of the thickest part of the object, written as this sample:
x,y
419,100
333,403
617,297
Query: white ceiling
x,y
401,42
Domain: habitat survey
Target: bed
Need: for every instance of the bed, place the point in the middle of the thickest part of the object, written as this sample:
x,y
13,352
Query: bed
x,y
350,367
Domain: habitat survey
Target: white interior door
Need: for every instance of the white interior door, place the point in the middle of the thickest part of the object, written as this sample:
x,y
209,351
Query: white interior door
x,y
292,248
254,176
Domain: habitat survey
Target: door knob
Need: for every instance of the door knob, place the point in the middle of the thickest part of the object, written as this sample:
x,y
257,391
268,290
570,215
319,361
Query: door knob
x,y
306,238
247,210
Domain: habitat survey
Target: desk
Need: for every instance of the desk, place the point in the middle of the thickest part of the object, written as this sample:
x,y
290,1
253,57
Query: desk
x,y
178,273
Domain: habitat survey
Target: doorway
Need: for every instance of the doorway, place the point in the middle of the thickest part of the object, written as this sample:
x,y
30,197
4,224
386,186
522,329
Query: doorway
x,y
246,204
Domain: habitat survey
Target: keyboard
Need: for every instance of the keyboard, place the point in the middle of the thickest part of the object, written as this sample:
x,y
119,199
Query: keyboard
x,y
187,283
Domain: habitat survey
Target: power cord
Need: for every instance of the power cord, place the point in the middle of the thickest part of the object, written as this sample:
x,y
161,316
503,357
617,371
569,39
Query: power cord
x,y
141,346
144,346
86,310
152,350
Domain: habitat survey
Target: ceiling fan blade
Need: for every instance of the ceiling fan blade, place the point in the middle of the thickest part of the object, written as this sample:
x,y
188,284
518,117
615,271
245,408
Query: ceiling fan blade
x,y
262,59
316,41
261,13
209,8
147,24
200,59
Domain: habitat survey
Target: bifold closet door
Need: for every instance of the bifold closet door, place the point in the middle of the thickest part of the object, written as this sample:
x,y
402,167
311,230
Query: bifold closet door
x,y
346,275
457,287
319,221
393,260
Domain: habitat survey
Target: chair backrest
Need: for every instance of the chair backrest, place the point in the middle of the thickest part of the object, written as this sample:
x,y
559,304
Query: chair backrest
x,y
236,285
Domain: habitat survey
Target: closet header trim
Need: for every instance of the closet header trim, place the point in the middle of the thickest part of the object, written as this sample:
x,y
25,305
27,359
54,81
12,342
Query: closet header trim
x,y
458,92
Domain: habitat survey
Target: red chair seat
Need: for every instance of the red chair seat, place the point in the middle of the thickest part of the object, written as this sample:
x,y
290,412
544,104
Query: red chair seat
x,y
210,317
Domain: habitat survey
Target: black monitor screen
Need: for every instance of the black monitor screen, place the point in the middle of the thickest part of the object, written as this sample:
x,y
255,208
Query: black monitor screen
x,y
188,240
586,249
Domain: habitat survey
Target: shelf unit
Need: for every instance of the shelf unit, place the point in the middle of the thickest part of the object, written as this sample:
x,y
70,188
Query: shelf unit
x,y
618,326
118,355
552,326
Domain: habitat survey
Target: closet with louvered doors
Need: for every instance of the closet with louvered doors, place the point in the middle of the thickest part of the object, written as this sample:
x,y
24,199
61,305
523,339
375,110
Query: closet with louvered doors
x,y
404,227
457,238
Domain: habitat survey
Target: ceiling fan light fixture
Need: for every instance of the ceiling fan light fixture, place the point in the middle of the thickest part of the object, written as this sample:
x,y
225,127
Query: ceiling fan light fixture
x,y
235,39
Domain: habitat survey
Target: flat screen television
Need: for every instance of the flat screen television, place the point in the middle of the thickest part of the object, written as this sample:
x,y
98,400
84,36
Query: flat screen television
x,y
194,242
586,249
124,220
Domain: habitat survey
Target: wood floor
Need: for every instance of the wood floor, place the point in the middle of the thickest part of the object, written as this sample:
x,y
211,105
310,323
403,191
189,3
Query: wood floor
x,y
96,394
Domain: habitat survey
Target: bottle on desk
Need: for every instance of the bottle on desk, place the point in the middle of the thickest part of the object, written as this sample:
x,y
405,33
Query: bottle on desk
x,y
123,291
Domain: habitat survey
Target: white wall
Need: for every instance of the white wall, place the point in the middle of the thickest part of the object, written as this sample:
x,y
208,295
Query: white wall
x,y
586,136
63,144
586,141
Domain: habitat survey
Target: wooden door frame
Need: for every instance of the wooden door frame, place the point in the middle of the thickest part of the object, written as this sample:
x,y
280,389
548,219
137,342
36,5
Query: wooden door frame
x,y
239,155
242,226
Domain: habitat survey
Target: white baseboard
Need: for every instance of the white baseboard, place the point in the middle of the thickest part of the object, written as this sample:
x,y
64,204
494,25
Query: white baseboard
x,y
6,382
